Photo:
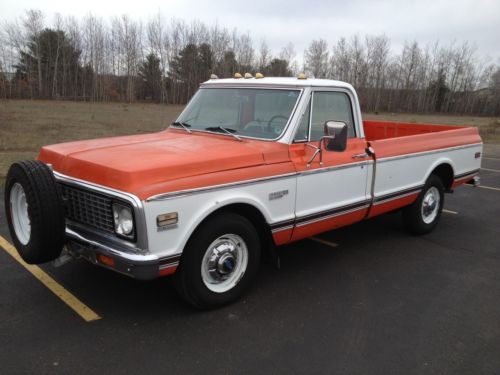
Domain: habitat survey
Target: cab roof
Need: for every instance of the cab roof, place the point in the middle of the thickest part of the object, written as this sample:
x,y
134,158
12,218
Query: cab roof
x,y
276,81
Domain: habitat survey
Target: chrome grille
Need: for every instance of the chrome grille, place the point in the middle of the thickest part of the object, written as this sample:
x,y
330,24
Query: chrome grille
x,y
88,208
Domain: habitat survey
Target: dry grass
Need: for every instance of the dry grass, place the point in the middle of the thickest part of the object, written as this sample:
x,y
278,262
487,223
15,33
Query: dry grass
x,y
25,125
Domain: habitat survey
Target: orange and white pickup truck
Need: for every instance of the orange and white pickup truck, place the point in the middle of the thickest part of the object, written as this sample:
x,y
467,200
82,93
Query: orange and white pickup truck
x,y
251,163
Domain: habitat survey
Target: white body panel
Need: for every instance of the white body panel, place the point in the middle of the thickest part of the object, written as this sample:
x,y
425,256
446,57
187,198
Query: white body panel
x,y
308,193
322,190
403,172
194,208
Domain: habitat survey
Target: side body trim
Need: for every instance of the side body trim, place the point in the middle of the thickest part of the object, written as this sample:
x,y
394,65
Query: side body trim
x,y
338,211
181,193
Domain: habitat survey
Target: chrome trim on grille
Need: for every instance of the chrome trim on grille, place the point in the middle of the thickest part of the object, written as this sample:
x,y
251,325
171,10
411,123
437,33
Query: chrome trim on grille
x,y
88,207
140,218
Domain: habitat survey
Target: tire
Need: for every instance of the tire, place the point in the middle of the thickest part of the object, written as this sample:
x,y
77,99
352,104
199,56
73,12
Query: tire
x,y
422,216
207,279
35,211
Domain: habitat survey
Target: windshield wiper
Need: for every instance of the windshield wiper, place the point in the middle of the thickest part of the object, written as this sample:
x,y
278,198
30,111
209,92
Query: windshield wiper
x,y
225,130
183,125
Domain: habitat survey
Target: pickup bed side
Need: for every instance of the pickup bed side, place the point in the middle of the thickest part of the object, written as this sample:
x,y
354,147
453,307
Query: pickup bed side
x,y
408,153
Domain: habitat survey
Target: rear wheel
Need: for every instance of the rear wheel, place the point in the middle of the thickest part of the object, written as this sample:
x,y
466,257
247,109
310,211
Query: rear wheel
x,y
423,215
219,261
35,212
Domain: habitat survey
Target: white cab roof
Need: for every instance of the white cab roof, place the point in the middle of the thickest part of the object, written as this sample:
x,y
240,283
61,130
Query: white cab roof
x,y
277,81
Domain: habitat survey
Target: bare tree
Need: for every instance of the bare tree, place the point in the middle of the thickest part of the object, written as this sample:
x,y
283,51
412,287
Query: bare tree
x,y
316,58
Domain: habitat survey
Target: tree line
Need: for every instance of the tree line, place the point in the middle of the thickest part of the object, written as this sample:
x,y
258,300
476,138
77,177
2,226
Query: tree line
x,y
164,61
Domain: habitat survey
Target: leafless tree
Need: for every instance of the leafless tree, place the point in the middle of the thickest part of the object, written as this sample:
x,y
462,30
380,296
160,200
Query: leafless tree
x,y
316,58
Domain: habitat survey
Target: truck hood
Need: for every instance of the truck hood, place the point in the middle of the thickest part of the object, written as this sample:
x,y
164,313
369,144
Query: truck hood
x,y
132,163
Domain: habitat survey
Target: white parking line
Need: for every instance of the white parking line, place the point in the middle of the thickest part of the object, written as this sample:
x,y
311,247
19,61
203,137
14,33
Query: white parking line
x,y
450,212
484,187
489,187
491,158
491,170
69,299
324,242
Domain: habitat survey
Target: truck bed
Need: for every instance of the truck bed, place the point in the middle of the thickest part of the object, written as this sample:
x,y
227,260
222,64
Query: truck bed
x,y
398,138
376,130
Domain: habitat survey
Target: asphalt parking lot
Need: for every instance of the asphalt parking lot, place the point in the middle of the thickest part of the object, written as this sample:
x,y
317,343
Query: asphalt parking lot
x,y
381,302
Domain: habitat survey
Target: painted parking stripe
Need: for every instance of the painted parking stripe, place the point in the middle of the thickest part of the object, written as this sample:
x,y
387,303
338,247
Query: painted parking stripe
x,y
450,212
64,295
491,158
490,170
485,187
324,242
489,187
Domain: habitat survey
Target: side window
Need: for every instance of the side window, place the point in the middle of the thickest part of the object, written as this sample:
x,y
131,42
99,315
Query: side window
x,y
303,130
330,106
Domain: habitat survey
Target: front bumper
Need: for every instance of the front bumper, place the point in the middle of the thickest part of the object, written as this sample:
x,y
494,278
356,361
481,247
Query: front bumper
x,y
130,262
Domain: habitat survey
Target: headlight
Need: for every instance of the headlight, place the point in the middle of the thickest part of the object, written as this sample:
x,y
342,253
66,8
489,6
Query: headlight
x,y
124,221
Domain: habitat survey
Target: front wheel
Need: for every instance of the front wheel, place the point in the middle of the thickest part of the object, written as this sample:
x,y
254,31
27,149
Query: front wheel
x,y
422,216
35,211
219,261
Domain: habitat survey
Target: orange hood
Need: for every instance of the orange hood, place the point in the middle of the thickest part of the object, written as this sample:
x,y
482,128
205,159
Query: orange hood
x,y
132,163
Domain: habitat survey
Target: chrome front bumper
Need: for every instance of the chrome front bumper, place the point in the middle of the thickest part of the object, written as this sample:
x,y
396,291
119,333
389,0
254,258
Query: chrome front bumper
x,y
136,264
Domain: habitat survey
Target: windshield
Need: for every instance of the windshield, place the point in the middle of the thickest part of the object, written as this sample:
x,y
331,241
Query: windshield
x,y
258,113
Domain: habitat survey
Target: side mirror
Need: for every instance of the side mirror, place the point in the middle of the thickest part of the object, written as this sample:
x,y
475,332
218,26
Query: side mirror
x,y
335,136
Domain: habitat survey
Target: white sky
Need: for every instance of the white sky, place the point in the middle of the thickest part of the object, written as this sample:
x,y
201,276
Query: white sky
x,y
300,21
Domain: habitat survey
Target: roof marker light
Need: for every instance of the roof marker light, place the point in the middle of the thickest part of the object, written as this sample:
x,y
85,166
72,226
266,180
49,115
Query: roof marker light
x,y
259,75
248,75
302,76
237,75
213,76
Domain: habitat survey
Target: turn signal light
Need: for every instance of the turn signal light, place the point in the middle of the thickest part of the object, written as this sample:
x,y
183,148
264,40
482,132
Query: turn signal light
x,y
104,259
167,219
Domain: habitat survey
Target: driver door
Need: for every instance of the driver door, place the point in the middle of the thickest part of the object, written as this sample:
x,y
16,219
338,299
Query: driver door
x,y
333,194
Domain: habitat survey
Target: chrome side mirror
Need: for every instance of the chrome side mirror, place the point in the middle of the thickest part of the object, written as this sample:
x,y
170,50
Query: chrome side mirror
x,y
335,136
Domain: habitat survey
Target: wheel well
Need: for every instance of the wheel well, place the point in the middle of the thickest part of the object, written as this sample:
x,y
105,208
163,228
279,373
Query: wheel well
x,y
254,215
445,173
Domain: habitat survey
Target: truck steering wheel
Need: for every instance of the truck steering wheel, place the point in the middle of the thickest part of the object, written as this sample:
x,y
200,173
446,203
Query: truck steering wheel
x,y
274,118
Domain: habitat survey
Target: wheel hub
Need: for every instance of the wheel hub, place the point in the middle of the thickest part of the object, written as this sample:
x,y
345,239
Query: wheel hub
x,y
430,205
19,213
224,263
222,260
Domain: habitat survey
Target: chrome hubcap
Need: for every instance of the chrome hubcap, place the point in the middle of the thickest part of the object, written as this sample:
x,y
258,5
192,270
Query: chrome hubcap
x,y
224,263
19,214
430,205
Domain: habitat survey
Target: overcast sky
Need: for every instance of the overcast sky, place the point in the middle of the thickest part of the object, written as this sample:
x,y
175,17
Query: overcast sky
x,y
300,21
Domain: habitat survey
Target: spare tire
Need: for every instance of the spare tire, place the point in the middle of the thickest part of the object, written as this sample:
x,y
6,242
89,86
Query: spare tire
x,y
35,211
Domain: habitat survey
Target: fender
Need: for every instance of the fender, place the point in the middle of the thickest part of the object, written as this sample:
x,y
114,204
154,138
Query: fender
x,y
194,209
